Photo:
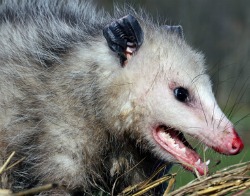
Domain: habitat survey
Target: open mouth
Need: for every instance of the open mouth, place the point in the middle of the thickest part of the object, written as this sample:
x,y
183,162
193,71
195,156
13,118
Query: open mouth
x,y
174,142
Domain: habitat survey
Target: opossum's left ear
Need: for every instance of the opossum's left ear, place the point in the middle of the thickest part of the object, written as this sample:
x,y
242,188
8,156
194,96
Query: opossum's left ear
x,y
175,29
124,36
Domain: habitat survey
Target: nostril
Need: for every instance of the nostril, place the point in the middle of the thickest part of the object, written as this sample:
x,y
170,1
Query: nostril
x,y
237,145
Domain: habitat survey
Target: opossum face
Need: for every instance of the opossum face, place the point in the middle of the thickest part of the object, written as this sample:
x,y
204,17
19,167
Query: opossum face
x,y
180,100
173,95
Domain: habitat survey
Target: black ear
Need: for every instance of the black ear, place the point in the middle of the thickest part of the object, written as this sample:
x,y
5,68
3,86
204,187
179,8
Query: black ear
x,y
175,29
124,36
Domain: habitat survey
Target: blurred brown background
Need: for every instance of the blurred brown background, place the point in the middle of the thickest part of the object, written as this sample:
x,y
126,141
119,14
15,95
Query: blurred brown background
x,y
221,30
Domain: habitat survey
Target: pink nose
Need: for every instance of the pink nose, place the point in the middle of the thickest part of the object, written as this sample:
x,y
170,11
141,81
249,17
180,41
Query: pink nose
x,y
237,144
232,147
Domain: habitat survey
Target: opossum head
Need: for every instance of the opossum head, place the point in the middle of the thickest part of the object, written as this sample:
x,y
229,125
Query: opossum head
x,y
163,93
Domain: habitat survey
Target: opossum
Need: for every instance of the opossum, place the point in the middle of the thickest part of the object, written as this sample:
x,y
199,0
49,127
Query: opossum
x,y
96,102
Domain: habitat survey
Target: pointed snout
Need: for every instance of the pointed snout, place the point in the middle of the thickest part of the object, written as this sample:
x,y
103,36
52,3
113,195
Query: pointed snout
x,y
231,146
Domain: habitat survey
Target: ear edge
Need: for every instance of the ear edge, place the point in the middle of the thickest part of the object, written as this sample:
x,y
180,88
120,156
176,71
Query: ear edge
x,y
124,36
175,29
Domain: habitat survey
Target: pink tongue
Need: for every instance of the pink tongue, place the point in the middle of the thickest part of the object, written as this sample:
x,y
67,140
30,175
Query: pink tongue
x,y
169,141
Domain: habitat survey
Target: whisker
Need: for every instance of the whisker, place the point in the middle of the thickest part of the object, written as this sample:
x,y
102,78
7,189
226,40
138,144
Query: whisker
x,y
197,77
244,117
239,96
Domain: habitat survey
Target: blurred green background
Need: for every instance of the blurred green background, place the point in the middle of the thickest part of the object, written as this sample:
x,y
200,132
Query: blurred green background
x,y
221,30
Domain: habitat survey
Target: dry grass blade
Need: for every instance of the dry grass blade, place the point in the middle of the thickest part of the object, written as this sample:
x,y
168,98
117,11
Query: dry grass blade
x,y
35,190
147,185
14,164
3,168
6,162
6,192
232,179
153,175
170,185
152,185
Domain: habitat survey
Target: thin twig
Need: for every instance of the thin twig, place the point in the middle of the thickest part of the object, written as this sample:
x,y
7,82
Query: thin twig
x,y
7,162
35,190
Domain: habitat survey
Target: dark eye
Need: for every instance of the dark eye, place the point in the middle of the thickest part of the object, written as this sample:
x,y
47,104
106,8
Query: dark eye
x,y
181,94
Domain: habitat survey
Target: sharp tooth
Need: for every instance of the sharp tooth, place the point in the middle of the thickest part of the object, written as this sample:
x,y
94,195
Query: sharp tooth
x,y
170,140
198,162
207,162
183,150
176,145
168,136
205,149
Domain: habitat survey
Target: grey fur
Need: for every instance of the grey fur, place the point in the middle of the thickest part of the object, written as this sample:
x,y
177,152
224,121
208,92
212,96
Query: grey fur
x,y
68,106
37,38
